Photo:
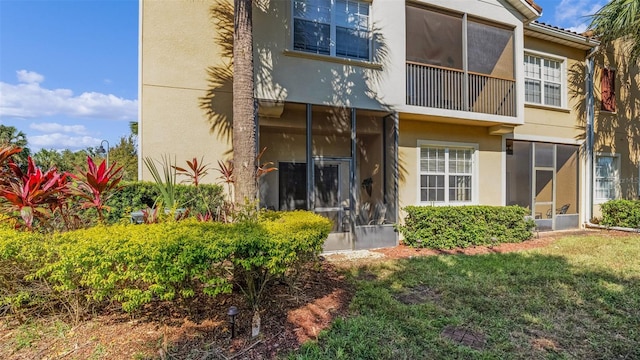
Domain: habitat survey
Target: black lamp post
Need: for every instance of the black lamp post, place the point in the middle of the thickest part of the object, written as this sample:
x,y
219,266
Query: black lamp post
x,y
232,313
101,150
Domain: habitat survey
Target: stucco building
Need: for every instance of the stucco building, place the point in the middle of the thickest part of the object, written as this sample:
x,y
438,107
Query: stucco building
x,y
369,106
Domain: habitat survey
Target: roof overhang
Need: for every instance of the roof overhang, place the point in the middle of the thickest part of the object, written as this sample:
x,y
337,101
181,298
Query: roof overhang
x,y
528,8
560,36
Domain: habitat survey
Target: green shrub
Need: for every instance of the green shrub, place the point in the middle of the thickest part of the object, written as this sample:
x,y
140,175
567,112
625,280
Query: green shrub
x,y
622,213
138,264
289,239
21,254
449,227
141,195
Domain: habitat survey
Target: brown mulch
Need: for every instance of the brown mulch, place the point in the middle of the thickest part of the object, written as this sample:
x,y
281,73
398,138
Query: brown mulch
x,y
199,329
539,240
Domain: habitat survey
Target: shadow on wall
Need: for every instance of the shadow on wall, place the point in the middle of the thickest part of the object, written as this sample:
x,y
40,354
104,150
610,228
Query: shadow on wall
x,y
346,81
219,95
614,132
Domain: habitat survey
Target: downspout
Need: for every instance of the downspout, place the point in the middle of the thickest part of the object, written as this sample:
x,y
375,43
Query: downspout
x,y
590,117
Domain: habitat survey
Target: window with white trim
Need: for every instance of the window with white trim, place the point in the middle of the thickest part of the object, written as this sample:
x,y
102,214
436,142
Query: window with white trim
x,y
446,174
607,177
543,81
332,27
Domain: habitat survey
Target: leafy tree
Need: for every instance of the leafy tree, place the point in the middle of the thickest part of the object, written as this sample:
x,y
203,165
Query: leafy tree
x,y
46,159
65,160
10,136
619,19
244,127
126,155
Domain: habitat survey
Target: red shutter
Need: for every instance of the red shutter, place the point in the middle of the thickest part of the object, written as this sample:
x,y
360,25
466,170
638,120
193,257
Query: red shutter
x,y
608,90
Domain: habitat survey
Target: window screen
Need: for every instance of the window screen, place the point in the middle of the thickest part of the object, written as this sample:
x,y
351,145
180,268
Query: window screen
x,y
490,50
434,38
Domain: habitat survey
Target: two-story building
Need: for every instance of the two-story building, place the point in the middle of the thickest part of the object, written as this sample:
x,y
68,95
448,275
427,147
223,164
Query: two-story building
x,y
369,106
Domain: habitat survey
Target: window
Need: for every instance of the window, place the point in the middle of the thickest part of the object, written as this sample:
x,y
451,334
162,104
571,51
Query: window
x,y
608,90
332,27
607,177
446,174
543,80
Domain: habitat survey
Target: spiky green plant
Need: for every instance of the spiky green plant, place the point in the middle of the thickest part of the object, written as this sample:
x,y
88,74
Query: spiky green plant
x,y
166,183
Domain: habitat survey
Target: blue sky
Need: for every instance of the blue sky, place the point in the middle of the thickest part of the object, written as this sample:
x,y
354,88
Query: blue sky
x,y
69,69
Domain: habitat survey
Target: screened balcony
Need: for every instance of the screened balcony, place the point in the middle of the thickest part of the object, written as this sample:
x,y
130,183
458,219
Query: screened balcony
x,y
458,63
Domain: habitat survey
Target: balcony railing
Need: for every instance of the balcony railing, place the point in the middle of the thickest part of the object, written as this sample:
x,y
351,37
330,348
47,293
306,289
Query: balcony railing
x,y
442,88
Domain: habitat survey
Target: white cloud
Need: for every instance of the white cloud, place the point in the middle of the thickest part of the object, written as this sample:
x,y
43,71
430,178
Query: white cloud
x,y
575,15
579,28
28,99
55,127
29,77
60,141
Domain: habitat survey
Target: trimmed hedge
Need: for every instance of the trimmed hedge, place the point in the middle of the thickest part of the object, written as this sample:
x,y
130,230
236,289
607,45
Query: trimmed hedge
x,y
138,264
450,227
621,213
141,195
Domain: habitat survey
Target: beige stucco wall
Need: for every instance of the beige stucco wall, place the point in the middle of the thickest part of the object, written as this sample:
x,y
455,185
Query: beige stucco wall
x,y
177,48
619,132
565,122
490,174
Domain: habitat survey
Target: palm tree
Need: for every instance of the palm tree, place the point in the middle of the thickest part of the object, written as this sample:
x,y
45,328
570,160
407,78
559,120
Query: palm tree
x,y
133,127
619,19
244,127
10,136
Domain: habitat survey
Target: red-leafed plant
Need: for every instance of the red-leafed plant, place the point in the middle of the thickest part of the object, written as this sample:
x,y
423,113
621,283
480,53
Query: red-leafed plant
x,y
33,194
195,170
204,217
263,168
6,153
97,184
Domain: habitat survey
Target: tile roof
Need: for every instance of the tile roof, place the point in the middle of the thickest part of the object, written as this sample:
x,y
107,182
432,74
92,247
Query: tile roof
x,y
534,5
585,34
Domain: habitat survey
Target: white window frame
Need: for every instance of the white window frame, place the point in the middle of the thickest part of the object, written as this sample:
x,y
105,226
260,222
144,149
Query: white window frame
x,y
474,171
563,78
333,33
616,177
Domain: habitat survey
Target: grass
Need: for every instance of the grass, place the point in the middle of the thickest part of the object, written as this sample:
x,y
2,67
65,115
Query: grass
x,y
578,298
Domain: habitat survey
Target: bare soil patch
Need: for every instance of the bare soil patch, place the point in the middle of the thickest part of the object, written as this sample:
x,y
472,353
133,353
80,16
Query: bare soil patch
x,y
465,337
418,295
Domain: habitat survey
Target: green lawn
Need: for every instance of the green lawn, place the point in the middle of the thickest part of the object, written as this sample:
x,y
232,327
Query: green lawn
x,y
578,298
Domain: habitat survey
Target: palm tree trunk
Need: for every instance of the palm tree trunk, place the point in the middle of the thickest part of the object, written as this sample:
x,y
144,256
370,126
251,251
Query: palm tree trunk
x,y
244,127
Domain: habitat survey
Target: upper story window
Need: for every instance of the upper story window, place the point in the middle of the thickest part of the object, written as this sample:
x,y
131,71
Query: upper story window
x,y
543,80
332,27
447,174
608,90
